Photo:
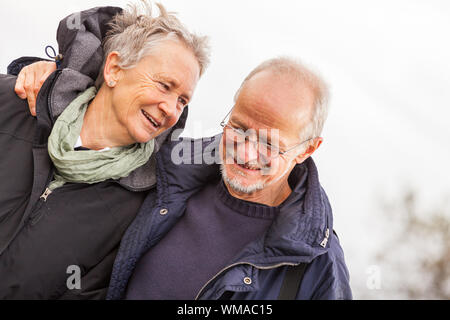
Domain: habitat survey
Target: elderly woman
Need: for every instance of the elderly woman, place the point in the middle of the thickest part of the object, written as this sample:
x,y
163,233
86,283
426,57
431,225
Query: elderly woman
x,y
74,178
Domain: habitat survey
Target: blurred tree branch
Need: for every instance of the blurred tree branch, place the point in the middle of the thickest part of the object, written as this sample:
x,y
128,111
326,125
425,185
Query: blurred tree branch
x,y
419,252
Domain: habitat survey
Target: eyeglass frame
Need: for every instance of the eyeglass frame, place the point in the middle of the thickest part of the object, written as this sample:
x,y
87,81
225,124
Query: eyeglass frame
x,y
235,130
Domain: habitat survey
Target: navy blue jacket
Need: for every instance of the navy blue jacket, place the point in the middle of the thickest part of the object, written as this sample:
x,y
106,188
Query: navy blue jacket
x,y
302,233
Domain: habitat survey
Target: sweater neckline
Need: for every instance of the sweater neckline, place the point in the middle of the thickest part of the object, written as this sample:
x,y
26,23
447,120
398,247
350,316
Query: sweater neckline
x,y
247,208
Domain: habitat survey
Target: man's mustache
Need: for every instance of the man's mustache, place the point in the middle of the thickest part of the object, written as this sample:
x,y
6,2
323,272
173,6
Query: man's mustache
x,y
232,158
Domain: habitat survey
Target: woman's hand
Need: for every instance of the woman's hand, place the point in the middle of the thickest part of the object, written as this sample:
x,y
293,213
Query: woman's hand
x,y
30,80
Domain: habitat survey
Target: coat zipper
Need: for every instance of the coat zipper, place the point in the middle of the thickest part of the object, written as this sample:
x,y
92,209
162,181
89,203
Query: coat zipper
x,y
47,191
243,263
45,195
34,217
49,109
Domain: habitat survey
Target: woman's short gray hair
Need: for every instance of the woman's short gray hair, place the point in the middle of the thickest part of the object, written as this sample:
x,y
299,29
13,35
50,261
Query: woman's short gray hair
x,y
294,68
134,32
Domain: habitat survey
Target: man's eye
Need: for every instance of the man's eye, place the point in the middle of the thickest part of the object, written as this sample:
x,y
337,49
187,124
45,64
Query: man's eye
x,y
272,145
240,131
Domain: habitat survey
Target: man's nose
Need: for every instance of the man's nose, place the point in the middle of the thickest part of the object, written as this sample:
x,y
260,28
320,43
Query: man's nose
x,y
247,152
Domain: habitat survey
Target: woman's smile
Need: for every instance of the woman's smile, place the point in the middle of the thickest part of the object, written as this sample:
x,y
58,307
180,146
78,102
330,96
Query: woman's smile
x,y
154,124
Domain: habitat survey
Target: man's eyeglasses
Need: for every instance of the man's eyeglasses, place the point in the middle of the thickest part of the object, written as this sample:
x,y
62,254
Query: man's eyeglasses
x,y
236,136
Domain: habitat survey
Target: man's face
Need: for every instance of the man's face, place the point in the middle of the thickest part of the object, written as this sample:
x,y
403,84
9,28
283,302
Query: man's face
x,y
266,102
150,97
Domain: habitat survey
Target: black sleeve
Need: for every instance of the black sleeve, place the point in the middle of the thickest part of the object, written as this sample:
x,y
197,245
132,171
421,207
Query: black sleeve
x,y
15,66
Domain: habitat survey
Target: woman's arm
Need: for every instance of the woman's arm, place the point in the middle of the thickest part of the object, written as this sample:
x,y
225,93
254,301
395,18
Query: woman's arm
x,y
30,80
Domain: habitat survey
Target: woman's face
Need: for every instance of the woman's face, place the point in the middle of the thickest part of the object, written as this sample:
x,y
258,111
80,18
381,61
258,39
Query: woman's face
x,y
149,98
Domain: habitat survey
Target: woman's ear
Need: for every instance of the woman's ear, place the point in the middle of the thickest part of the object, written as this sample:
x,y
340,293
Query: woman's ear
x,y
112,71
313,146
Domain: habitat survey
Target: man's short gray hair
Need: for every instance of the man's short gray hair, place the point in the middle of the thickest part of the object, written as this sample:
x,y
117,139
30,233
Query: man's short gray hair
x,y
286,66
135,32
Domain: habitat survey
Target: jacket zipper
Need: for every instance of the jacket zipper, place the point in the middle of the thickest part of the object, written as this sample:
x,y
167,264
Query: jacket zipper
x,y
243,263
34,218
49,109
45,195
47,191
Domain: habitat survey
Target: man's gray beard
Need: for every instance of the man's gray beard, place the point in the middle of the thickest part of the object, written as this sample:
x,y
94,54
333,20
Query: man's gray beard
x,y
237,186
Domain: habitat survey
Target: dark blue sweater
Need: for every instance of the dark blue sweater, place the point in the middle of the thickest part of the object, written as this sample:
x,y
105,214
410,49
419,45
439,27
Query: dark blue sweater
x,y
214,228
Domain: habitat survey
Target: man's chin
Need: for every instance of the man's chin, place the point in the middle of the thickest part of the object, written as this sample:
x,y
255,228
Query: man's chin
x,y
246,189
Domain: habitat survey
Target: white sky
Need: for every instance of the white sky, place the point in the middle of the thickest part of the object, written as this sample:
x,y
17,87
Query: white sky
x,y
387,63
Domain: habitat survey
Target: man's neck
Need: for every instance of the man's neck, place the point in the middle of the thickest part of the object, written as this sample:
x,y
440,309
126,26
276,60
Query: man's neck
x,y
101,128
271,196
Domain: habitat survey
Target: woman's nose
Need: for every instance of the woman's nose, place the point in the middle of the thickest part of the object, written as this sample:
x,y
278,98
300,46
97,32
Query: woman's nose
x,y
169,107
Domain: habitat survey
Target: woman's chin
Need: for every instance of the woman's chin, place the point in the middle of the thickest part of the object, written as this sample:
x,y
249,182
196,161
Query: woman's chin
x,y
142,137
145,140
144,134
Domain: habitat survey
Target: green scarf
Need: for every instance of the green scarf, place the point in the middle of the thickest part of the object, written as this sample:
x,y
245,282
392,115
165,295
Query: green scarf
x,y
89,166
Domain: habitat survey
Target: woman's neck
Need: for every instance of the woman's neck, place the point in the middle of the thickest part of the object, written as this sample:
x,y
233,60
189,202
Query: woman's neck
x,y
101,128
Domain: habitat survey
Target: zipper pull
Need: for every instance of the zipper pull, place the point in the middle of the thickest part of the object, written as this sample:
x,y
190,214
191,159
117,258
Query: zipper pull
x,y
45,195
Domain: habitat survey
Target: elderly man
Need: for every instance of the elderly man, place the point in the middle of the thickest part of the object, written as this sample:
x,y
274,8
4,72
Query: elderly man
x,y
242,228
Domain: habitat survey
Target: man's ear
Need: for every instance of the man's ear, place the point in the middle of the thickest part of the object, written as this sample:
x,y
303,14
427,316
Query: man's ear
x,y
309,151
112,71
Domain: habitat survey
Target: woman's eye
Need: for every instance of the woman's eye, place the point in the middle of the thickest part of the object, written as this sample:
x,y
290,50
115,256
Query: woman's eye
x,y
182,101
164,86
